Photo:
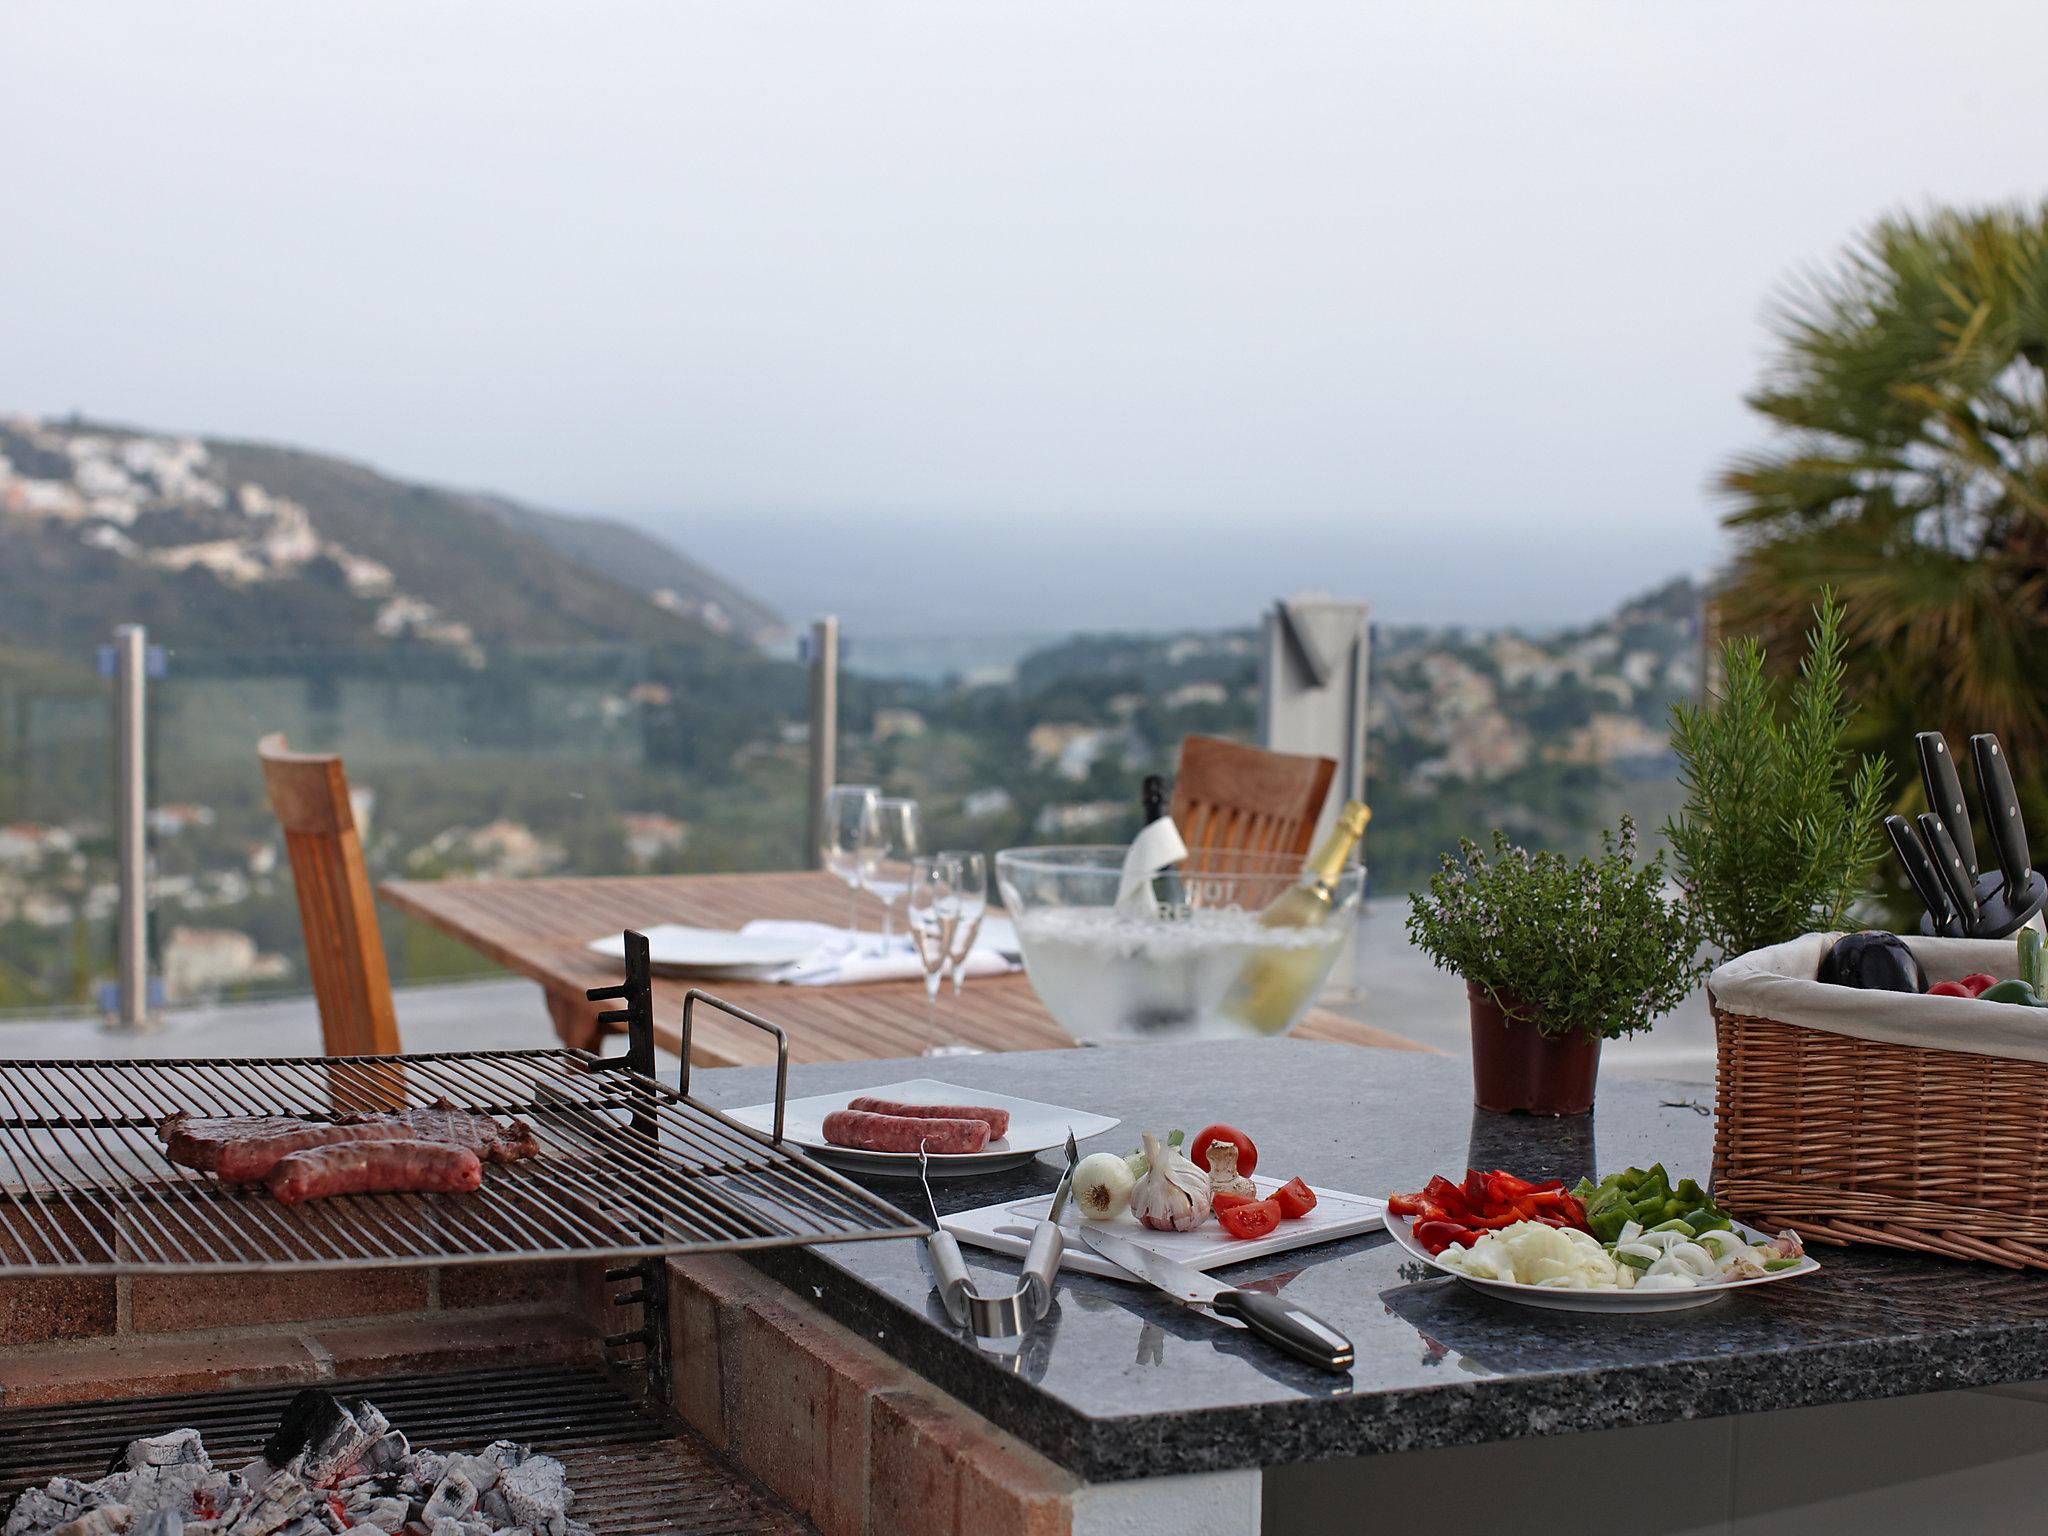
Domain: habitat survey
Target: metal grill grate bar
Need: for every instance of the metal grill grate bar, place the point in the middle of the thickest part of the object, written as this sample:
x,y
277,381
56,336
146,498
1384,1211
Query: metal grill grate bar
x,y
628,1168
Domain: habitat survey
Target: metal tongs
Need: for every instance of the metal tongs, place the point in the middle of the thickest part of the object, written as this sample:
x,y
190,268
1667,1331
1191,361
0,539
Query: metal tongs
x,y
1000,1320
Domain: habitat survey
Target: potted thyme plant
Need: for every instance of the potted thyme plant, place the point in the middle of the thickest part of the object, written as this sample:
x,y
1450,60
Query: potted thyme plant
x,y
1557,956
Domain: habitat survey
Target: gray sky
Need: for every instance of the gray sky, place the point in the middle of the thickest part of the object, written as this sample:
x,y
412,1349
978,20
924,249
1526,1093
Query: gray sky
x,y
948,315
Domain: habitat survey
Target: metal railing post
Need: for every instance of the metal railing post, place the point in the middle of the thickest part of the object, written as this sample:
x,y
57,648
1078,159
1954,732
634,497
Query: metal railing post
x,y
824,732
131,807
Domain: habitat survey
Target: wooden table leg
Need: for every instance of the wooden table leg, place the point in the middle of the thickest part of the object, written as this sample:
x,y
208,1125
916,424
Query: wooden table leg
x,y
575,1021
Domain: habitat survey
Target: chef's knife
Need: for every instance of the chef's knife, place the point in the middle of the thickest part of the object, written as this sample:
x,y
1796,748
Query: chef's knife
x,y
1962,885
1927,881
1280,1323
2002,815
1945,799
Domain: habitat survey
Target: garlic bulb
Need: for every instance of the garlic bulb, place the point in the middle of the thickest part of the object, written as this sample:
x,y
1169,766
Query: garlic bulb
x,y
1102,1186
1224,1179
1173,1196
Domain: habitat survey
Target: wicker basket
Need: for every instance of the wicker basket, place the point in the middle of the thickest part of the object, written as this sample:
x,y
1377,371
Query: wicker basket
x,y
1851,1140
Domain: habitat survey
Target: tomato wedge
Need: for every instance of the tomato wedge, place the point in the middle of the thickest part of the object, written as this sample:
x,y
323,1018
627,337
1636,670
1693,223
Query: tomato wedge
x,y
1224,1200
1255,1218
1295,1199
1247,1154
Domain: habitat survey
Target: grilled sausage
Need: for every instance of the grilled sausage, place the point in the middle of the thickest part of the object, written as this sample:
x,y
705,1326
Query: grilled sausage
x,y
903,1133
374,1167
998,1119
247,1159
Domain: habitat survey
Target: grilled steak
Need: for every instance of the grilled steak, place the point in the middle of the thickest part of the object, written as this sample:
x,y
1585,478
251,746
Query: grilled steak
x,y
374,1167
245,1149
488,1138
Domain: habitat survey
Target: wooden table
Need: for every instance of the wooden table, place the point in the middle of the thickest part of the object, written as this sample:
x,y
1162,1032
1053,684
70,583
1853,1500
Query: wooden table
x,y
539,928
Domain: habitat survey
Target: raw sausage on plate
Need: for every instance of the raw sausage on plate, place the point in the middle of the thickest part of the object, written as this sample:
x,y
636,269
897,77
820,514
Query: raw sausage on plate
x,y
871,1132
998,1119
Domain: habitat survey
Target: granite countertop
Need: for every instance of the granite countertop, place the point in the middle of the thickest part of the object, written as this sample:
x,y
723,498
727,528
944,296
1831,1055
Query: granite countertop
x,y
1118,1382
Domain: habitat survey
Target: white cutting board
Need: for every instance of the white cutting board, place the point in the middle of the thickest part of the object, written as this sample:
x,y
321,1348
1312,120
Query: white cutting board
x,y
1007,1229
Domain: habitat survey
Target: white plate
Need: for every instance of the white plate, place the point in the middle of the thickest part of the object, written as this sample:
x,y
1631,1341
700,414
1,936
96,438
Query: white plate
x,y
1400,1229
673,947
1034,1128
1007,1229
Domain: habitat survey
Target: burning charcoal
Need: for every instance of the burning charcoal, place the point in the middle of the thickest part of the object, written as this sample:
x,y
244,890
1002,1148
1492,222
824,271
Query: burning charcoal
x,y
159,1522
279,1502
447,1528
385,1453
481,1471
44,1509
106,1520
453,1497
180,1447
424,1471
387,1514
536,1491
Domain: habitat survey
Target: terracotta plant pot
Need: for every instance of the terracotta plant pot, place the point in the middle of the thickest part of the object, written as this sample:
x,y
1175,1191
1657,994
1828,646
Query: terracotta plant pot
x,y
1516,1068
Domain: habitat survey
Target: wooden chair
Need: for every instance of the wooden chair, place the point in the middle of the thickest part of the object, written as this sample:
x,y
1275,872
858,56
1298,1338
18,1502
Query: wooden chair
x,y
309,793
1230,796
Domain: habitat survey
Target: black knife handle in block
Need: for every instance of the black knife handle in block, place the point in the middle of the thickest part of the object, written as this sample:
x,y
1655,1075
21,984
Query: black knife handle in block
x,y
2002,812
1941,920
1945,795
1962,885
1286,1326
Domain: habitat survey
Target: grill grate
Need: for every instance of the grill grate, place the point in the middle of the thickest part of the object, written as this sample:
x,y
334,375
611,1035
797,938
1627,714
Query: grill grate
x,y
628,1168
631,1472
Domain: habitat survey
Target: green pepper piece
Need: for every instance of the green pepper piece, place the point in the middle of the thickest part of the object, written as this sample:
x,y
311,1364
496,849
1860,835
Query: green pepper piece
x,y
1633,1260
1690,1192
1781,1263
2018,992
1676,1226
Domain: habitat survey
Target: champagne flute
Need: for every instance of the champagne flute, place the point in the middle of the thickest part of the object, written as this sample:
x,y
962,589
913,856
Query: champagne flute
x,y
848,844
932,913
898,839
971,883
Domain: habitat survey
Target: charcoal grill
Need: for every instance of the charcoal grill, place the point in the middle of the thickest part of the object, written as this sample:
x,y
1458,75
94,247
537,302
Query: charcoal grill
x,y
629,1168
632,1471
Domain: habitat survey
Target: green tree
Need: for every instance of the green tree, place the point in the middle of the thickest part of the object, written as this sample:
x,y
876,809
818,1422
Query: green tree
x,y
1910,472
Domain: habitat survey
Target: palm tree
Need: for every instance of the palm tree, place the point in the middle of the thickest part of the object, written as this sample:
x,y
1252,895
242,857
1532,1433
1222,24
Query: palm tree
x,y
1910,472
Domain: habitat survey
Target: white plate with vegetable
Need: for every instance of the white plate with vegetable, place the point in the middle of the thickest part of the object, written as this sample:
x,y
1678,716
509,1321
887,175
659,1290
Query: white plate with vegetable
x,y
1667,1276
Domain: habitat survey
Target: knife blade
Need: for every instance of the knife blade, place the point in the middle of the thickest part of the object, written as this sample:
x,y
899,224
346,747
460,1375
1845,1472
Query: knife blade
x,y
1945,797
1927,882
1961,884
1280,1323
2002,815
1066,1183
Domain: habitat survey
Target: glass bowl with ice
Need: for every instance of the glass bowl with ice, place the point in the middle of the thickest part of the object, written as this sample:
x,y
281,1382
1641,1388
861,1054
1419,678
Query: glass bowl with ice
x,y
1224,945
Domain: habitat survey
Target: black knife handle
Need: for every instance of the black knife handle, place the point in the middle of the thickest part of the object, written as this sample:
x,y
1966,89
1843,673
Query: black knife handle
x,y
1927,881
1945,795
1962,885
1281,1323
2002,812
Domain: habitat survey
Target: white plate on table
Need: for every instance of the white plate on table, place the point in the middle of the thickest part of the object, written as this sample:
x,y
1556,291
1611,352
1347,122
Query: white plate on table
x,y
1007,1227
1034,1128
708,951
1401,1229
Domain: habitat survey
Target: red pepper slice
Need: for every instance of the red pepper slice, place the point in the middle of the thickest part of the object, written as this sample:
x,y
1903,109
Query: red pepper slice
x,y
1295,1198
1436,1236
1247,1153
1256,1218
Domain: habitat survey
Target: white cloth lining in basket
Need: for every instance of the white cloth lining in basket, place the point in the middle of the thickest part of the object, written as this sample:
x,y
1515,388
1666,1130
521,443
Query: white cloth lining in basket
x,y
1777,983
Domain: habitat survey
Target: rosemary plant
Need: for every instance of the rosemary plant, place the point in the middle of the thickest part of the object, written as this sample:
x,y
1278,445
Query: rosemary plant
x,y
1592,948
1778,836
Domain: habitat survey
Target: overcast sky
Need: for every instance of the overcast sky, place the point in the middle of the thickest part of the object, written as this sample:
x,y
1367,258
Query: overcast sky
x,y
994,316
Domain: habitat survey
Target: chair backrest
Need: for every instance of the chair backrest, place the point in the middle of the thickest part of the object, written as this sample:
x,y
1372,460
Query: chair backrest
x,y
344,950
1230,796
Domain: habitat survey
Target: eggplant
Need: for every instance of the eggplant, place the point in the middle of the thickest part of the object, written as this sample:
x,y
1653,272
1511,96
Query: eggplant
x,y
1874,960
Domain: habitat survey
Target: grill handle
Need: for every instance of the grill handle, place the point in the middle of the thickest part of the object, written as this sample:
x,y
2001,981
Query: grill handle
x,y
690,1000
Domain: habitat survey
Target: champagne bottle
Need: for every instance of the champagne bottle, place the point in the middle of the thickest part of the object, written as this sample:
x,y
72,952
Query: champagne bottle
x,y
1152,797
1276,982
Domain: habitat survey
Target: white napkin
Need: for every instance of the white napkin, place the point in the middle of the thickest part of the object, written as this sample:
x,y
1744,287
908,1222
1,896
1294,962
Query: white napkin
x,y
1152,850
833,964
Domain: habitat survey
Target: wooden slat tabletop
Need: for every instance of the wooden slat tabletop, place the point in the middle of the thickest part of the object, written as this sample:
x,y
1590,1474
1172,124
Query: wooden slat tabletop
x,y
538,928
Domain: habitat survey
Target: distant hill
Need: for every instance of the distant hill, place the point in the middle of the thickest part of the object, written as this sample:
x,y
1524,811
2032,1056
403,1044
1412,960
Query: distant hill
x,y
244,546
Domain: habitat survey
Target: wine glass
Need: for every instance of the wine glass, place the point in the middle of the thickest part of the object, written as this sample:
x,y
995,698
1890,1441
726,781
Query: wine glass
x,y
932,913
848,843
899,837
970,882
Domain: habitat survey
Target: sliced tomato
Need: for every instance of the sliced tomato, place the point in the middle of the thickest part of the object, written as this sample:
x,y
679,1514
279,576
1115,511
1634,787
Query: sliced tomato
x,y
1224,1200
1247,1154
1255,1218
1295,1199
1979,982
